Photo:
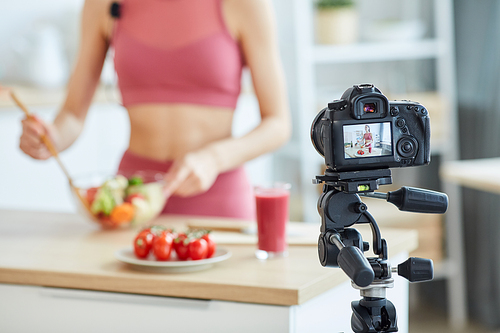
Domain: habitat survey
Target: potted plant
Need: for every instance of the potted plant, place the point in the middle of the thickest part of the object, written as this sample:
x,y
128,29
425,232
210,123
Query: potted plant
x,y
336,22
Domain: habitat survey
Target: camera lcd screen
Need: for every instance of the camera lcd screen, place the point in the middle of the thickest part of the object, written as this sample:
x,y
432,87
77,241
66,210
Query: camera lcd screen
x,y
367,140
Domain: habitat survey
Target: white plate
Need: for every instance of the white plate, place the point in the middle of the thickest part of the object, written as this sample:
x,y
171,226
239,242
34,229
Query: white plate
x,y
173,265
360,155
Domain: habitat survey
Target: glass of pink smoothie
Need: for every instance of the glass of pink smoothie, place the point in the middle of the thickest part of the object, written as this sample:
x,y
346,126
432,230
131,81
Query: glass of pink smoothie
x,y
272,216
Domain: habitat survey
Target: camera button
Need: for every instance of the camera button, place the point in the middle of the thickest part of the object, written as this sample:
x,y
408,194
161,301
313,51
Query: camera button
x,y
394,111
407,147
404,129
406,162
400,122
423,111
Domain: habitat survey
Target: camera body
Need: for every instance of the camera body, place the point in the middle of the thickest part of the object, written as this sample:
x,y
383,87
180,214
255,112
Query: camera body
x,y
365,131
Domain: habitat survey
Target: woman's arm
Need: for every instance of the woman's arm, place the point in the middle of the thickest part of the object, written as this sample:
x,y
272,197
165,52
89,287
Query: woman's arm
x,y
255,29
85,78
257,35
68,124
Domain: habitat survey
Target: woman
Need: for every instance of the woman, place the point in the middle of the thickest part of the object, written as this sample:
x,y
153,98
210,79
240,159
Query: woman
x,y
368,139
179,67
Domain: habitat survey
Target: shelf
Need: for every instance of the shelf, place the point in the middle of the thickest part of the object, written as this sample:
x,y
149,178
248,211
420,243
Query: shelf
x,y
478,174
441,105
376,52
445,269
36,96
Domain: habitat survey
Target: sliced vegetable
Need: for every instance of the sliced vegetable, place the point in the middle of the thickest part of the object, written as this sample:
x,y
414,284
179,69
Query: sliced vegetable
x,y
103,202
122,213
143,201
135,180
131,197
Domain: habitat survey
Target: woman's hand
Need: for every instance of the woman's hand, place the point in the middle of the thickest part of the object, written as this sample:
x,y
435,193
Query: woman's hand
x,y
31,138
68,123
192,174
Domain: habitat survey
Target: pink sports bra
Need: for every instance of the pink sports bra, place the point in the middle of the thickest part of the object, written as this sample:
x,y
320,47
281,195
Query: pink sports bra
x,y
176,51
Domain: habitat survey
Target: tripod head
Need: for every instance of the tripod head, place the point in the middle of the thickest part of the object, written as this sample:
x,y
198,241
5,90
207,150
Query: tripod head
x,y
339,245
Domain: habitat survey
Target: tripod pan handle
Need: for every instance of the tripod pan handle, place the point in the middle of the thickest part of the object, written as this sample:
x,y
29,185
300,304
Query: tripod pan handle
x,y
411,199
356,266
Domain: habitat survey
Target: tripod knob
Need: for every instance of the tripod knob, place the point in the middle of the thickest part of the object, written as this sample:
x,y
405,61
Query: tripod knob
x,y
356,266
416,269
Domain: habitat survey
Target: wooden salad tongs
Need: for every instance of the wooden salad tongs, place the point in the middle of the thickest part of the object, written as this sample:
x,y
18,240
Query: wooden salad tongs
x,y
50,146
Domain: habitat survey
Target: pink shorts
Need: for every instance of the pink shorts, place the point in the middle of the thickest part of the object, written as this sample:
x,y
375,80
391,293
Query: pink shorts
x,y
230,196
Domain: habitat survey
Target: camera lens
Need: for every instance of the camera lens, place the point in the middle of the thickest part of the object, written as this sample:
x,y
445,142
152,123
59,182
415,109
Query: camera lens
x,y
370,108
317,133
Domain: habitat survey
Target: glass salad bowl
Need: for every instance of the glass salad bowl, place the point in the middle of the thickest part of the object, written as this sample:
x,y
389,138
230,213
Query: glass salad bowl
x,y
128,199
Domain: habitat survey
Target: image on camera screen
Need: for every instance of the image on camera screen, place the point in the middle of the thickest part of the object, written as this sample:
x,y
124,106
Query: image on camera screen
x,y
367,140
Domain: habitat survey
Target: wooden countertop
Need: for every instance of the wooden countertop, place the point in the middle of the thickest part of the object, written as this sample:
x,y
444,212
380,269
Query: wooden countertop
x,y
479,174
66,251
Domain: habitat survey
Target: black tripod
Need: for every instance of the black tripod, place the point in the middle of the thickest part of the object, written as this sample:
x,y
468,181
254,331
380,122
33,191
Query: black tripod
x,y
340,246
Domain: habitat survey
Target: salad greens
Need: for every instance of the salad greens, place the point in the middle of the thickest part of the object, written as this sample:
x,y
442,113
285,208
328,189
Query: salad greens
x,y
123,200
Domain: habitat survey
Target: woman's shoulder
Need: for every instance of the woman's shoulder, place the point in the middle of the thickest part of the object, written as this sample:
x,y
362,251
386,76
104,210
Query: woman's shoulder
x,y
249,7
249,15
99,4
100,9
98,13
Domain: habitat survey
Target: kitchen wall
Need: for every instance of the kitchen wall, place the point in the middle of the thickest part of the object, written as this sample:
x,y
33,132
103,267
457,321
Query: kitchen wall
x,y
38,43
37,38
41,185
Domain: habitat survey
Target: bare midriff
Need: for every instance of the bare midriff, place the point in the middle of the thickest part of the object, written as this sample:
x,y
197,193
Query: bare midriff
x,y
166,132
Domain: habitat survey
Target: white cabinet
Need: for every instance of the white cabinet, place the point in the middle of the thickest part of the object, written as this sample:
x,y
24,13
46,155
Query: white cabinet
x,y
403,68
70,310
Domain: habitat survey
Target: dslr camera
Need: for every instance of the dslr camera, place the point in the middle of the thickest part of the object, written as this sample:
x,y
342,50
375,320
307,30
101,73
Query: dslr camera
x,y
365,131
361,136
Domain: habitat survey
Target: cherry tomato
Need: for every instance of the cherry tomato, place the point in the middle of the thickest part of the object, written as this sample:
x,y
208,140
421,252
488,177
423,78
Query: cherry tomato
x,y
211,246
143,243
162,245
198,248
181,246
